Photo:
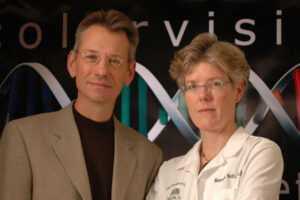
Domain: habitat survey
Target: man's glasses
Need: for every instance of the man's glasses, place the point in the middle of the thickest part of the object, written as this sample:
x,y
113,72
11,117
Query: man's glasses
x,y
93,57
212,84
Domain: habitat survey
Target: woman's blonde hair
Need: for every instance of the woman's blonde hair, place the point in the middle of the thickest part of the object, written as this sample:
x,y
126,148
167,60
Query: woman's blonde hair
x,y
205,47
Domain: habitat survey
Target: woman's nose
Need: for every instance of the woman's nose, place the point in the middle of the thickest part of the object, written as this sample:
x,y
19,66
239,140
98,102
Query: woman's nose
x,y
203,93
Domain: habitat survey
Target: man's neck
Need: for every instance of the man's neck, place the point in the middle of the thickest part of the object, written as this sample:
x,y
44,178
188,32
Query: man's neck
x,y
95,111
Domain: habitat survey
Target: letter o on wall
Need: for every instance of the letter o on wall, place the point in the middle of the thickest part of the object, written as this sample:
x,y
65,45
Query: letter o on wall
x,y
38,33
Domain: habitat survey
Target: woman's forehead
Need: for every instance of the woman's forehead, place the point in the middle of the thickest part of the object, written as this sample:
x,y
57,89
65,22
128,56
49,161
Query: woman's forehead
x,y
205,71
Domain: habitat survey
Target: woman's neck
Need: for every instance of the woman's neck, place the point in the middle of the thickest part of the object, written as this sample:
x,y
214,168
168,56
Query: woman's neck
x,y
212,142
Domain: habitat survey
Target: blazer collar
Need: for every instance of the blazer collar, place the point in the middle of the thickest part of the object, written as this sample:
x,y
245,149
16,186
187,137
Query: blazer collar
x,y
124,160
69,150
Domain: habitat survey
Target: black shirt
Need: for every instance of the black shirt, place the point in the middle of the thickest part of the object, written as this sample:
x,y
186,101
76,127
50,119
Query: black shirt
x,y
97,139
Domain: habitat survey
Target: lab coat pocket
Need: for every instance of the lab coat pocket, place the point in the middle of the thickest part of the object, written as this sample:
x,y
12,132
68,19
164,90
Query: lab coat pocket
x,y
225,194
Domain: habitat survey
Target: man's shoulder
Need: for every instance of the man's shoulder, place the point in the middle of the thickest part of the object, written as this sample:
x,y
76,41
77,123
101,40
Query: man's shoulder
x,y
41,118
37,118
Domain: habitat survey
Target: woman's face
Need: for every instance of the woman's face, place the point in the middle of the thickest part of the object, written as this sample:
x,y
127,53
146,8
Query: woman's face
x,y
211,106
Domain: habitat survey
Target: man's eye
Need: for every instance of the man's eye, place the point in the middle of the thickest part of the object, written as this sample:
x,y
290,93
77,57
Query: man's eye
x,y
91,57
115,61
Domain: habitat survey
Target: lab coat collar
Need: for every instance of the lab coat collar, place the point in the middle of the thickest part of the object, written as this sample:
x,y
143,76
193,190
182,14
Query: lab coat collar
x,y
235,142
191,160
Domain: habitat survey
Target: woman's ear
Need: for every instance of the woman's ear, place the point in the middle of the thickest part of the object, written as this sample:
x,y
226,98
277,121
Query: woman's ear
x,y
240,89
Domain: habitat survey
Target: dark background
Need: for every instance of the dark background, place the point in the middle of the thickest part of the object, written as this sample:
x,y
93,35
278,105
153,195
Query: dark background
x,y
268,59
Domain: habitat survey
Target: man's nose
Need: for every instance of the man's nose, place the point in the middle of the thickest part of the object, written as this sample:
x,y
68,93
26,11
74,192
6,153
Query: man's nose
x,y
101,68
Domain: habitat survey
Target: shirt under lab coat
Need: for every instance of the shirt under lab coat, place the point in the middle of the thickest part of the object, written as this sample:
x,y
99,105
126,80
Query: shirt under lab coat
x,y
248,167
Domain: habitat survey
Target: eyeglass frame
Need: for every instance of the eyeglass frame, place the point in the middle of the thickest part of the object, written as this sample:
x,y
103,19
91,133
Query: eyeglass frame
x,y
208,85
98,58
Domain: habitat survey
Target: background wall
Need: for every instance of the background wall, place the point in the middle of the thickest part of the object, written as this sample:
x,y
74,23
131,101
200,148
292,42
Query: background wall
x,y
267,31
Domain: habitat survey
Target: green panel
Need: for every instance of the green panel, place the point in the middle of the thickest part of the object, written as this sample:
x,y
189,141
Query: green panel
x,y
163,115
142,98
125,105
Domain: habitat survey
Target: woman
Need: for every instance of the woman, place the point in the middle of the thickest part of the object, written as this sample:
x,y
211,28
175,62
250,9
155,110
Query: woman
x,y
227,163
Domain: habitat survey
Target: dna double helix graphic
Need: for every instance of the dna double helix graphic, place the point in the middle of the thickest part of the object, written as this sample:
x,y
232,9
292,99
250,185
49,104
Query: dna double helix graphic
x,y
270,102
172,107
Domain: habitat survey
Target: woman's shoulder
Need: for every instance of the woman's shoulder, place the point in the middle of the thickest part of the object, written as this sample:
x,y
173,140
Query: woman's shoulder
x,y
261,141
254,141
174,162
263,146
177,164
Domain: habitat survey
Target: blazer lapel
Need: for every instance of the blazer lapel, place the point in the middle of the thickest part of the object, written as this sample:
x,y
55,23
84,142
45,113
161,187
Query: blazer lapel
x,y
124,162
69,151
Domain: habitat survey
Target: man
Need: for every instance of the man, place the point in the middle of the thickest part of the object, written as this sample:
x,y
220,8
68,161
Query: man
x,y
83,151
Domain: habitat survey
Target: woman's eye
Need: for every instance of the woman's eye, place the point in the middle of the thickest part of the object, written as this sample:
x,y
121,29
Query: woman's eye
x,y
190,87
216,83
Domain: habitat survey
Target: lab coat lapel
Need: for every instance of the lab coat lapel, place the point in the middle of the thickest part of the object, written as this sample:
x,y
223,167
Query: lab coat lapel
x,y
69,151
124,162
191,163
232,147
215,163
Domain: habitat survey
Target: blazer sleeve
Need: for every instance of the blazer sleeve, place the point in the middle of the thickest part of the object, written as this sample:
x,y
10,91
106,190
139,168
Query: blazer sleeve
x,y
15,171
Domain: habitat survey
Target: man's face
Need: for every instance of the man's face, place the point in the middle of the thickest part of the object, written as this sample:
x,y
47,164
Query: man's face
x,y
100,82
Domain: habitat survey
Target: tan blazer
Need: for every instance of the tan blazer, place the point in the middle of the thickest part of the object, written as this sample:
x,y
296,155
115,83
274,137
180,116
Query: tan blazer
x,y
41,158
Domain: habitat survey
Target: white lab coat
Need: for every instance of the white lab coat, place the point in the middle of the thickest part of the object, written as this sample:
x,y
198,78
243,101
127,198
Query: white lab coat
x,y
248,167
